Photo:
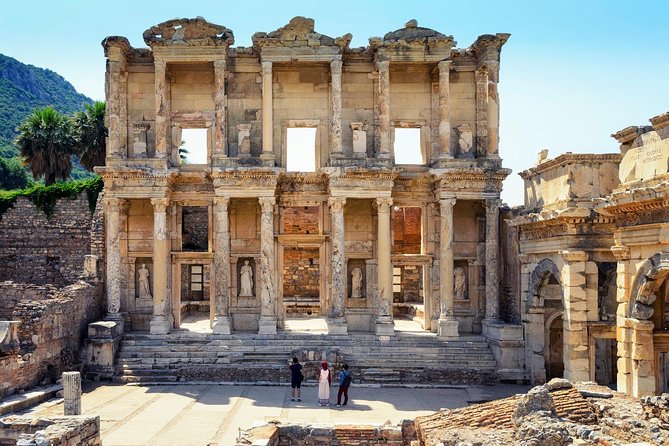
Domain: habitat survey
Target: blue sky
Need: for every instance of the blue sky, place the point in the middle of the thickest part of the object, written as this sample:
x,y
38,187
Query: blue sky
x,y
572,73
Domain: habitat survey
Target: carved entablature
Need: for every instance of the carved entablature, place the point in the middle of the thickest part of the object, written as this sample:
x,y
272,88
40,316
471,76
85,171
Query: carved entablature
x,y
361,182
289,42
188,32
628,134
303,182
470,180
247,182
660,121
115,46
487,48
416,44
129,182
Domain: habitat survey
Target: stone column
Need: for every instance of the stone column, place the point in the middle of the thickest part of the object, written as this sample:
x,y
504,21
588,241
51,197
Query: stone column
x,y
481,111
444,109
220,124
493,109
575,352
384,109
221,324
162,108
113,244
335,110
337,320
384,323
267,113
267,324
491,264
71,393
447,323
114,108
623,330
643,358
160,321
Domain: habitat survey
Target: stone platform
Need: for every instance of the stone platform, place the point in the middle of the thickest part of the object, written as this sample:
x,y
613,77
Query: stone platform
x,y
407,358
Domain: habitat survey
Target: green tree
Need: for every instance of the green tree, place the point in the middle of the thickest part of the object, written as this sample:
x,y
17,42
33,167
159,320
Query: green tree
x,y
12,174
46,142
91,134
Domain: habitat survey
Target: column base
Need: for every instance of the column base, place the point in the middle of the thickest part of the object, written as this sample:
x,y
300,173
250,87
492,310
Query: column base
x,y
221,325
267,159
337,326
159,325
487,322
267,326
385,328
447,328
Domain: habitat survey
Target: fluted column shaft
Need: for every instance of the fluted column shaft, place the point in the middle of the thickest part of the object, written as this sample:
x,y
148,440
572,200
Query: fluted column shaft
x,y
338,257
335,110
384,109
384,263
220,124
221,323
491,253
267,110
113,239
446,261
267,295
162,109
160,322
444,110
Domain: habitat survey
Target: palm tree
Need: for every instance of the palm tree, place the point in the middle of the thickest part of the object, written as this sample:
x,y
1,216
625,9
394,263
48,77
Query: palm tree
x,y
91,134
46,143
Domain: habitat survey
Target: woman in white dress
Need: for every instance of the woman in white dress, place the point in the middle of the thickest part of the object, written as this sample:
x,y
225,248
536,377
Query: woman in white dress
x,y
324,382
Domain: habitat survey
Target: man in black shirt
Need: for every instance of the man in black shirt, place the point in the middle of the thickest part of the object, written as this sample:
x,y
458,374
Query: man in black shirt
x,y
296,378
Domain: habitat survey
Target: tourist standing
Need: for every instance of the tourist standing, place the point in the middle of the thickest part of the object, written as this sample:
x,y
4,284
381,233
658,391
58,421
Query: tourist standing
x,y
296,378
324,382
345,380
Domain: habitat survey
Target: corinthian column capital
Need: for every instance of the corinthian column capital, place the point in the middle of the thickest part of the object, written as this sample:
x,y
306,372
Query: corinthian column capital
x,y
384,204
336,204
267,204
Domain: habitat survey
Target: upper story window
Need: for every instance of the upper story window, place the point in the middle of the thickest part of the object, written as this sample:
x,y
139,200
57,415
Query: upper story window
x,y
301,149
407,146
194,146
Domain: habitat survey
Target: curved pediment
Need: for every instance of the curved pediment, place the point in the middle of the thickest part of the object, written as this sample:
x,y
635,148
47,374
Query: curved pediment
x,y
188,32
412,31
299,32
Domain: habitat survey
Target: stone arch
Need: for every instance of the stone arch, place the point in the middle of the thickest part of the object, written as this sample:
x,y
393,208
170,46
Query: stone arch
x,y
545,268
647,283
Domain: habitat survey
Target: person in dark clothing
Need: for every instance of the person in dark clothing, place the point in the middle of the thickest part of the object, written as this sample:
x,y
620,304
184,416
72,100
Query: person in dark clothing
x,y
296,378
345,380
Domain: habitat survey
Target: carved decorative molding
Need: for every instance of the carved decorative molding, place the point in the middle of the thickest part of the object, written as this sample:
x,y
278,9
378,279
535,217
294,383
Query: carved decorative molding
x,y
621,253
571,256
188,32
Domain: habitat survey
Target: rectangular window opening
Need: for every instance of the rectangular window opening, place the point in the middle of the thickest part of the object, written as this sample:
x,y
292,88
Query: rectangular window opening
x,y
407,146
193,147
301,149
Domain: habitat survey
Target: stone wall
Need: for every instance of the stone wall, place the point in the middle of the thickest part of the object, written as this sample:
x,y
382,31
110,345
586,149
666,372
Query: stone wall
x,y
349,435
38,249
52,330
81,430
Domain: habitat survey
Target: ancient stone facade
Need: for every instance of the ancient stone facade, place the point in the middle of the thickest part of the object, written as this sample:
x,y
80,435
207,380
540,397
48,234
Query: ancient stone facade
x,y
256,212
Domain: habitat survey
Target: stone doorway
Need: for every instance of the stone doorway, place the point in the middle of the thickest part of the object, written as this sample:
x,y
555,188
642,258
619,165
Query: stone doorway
x,y
555,348
301,281
606,367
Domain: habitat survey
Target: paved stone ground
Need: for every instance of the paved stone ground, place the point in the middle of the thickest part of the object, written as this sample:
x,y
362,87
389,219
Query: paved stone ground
x,y
200,414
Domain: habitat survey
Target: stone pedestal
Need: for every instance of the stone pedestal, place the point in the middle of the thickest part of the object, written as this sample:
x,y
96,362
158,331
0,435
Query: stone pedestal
x,y
101,346
447,328
384,327
337,326
71,393
267,325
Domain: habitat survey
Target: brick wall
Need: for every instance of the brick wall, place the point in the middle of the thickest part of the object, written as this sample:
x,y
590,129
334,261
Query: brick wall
x,y
300,220
407,230
301,272
38,249
52,330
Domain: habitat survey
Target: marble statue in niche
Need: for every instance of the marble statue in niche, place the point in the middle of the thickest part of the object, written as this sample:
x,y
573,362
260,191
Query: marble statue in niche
x,y
465,140
246,280
356,283
144,284
459,283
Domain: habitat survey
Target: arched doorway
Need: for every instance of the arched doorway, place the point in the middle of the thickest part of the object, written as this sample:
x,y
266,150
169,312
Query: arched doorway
x,y
545,305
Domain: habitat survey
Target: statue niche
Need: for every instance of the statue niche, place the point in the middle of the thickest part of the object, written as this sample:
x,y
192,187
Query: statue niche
x,y
246,278
460,283
465,141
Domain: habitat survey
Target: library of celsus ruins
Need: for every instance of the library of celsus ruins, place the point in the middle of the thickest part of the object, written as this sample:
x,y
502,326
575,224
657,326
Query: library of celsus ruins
x,y
304,198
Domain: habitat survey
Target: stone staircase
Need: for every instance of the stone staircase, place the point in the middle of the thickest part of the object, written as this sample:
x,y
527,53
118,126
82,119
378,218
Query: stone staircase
x,y
253,358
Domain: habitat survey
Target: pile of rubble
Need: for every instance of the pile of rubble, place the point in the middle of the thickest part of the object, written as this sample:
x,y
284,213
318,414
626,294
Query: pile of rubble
x,y
555,414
